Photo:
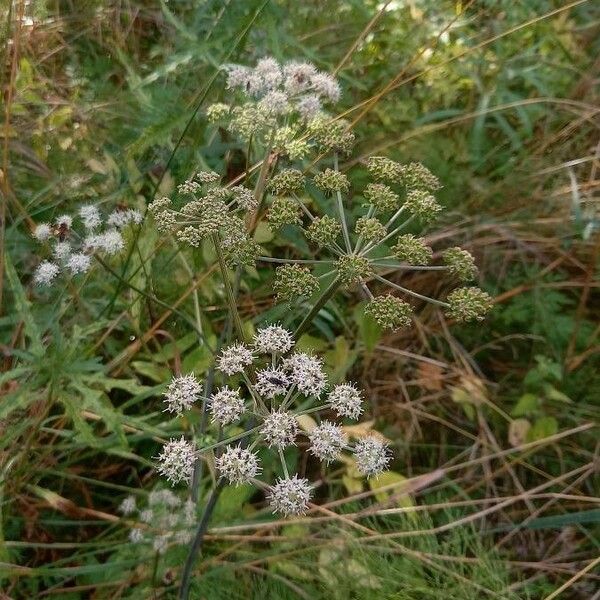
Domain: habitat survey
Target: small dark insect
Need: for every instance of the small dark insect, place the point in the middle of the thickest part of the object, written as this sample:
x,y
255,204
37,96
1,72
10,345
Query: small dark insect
x,y
62,231
276,380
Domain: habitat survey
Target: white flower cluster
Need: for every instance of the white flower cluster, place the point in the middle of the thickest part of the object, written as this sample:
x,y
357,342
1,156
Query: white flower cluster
x,y
279,385
71,251
182,392
281,89
169,520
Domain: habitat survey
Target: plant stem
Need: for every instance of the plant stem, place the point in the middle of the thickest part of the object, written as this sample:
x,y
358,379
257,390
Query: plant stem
x,y
411,293
186,576
228,289
340,206
327,294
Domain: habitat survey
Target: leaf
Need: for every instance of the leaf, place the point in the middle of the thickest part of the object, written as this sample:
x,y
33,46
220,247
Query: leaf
x,y
389,478
527,404
544,427
369,331
263,233
152,371
553,394
340,359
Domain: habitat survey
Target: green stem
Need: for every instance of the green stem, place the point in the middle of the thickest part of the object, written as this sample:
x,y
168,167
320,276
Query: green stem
x,y
340,206
410,292
327,294
228,289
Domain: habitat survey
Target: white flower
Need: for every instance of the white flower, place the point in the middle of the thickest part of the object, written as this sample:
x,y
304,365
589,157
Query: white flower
x,y
146,516
326,441
372,456
290,496
234,358
111,242
182,392
280,429
226,406
79,263
309,106
64,221
273,338
298,77
42,232
265,77
244,197
45,273
306,372
326,85
122,218
90,215
207,176
238,465
163,498
346,400
61,250
271,382
275,103
237,76
136,535
128,506
161,543
177,460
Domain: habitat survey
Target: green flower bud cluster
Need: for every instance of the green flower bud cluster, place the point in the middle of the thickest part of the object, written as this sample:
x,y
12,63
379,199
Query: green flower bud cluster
x,y
286,182
164,217
412,250
461,263
370,229
239,249
352,268
423,205
382,197
331,136
390,312
207,177
469,304
294,281
323,230
243,197
417,176
249,120
385,169
331,181
217,112
287,143
284,211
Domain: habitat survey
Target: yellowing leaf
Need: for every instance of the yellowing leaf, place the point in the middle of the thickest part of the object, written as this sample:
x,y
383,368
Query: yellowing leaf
x,y
388,478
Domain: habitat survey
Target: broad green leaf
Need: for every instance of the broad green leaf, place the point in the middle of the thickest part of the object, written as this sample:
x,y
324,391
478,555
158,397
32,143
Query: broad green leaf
x,y
542,428
389,478
526,405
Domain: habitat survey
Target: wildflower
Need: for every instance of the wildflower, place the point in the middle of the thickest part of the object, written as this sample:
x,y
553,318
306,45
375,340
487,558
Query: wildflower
x,y
79,263
382,197
207,176
372,456
346,400
331,181
128,506
42,232
290,496
370,228
469,304
182,392
266,76
460,262
110,242
326,441
226,406
390,312
385,169
294,281
287,182
163,497
298,77
237,76
234,358
331,136
309,106
121,218
417,176
284,211
160,544
146,516
177,460
217,112
45,273
136,535
244,197
423,205
275,102
412,250
271,382
323,230
90,215
273,339
352,268
64,221
306,372
238,465
280,429
326,85
62,250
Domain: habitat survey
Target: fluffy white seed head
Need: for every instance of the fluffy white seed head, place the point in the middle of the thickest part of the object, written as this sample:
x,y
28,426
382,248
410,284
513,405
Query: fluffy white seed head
x,y
234,358
226,406
327,441
238,465
346,400
372,456
45,273
290,496
42,232
110,241
61,250
128,506
271,382
176,461
122,218
280,429
90,215
79,263
182,392
306,372
273,339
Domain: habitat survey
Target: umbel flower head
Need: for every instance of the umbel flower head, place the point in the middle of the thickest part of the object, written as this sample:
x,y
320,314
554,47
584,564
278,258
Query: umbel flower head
x,y
278,386
372,456
182,393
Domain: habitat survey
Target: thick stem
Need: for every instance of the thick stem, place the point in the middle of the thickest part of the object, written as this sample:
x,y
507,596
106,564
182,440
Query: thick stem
x,y
327,294
186,576
228,289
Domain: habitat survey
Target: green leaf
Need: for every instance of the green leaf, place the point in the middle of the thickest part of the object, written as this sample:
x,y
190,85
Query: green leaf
x,y
542,428
369,331
527,404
